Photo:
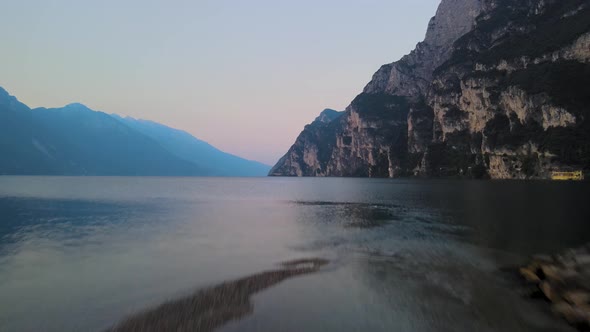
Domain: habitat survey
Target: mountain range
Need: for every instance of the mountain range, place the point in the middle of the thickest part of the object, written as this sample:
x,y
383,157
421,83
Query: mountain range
x,y
497,89
76,140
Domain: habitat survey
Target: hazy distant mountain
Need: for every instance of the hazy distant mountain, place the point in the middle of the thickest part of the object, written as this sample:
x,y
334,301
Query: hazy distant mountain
x,y
19,153
75,140
93,143
187,147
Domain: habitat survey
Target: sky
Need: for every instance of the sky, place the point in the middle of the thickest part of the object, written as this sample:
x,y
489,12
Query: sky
x,y
245,76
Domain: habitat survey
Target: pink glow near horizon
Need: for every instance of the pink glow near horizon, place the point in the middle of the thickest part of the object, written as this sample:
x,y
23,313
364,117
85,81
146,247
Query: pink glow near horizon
x,y
243,76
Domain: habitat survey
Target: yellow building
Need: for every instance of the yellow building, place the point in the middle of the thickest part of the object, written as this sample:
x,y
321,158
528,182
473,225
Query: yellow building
x,y
568,176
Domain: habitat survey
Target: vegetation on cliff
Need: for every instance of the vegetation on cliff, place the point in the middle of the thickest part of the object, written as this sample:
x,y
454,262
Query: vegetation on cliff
x,y
505,98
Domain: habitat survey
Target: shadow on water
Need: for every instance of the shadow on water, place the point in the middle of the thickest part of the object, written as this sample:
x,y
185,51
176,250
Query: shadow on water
x,y
522,217
211,308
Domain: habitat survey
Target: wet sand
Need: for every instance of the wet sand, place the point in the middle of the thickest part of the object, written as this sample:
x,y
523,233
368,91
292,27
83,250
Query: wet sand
x,y
210,308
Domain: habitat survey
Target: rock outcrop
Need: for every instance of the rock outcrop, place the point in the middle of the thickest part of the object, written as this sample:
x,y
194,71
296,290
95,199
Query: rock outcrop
x,y
563,280
498,88
312,148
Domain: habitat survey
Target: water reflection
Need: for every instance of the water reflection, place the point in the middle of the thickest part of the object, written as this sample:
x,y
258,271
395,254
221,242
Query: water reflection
x,y
375,228
355,215
66,221
82,253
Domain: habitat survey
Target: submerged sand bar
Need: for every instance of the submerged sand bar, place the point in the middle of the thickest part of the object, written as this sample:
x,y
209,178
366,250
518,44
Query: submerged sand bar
x,y
210,308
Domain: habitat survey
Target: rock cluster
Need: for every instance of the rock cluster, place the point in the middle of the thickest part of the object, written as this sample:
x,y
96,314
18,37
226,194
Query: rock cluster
x,y
564,280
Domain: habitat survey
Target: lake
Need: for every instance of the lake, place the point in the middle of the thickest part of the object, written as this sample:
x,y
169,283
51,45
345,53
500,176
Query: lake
x,y
83,253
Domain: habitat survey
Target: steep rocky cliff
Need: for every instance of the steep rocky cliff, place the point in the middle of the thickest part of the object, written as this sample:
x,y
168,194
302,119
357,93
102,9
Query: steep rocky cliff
x,y
312,148
515,95
498,88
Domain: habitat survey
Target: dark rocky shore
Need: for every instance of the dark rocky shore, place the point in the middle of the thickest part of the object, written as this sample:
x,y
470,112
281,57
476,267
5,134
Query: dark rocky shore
x,y
564,280
210,308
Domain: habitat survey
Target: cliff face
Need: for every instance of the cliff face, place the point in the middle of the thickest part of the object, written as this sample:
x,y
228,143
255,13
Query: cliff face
x,y
498,88
514,96
411,76
312,149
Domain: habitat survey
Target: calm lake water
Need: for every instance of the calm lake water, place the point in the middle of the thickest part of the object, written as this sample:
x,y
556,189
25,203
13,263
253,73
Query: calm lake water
x,y
80,254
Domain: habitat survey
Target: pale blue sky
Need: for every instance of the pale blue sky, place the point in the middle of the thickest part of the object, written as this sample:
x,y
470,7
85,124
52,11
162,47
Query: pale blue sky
x,y
246,76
